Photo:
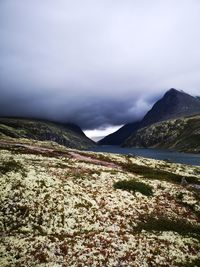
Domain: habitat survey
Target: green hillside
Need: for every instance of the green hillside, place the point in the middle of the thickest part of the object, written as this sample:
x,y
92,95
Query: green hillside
x,y
68,135
181,134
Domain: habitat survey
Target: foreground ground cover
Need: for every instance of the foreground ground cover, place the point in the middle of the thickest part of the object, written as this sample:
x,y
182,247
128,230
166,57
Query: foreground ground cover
x,y
61,207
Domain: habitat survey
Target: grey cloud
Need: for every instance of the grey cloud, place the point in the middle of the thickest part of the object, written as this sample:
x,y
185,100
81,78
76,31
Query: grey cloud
x,y
95,63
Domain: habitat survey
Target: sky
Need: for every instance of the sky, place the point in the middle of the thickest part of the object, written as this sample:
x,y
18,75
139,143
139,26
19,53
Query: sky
x,y
99,64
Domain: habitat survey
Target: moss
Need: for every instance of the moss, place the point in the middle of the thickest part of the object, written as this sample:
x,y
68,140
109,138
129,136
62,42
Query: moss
x,y
41,257
163,224
157,174
49,217
134,186
23,210
64,247
99,156
85,205
180,195
62,165
11,165
191,207
190,263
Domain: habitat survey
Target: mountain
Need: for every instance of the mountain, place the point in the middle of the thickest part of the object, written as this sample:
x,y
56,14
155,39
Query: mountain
x,y
173,104
119,136
69,135
182,134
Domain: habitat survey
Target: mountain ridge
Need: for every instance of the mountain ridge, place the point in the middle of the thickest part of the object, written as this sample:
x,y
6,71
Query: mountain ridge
x,y
181,134
173,104
120,135
68,134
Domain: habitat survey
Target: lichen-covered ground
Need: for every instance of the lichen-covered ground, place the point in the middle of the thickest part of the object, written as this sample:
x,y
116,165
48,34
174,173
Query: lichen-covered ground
x,y
59,207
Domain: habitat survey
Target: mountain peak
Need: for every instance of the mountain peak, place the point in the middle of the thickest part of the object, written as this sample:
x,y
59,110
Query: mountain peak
x,y
174,91
174,104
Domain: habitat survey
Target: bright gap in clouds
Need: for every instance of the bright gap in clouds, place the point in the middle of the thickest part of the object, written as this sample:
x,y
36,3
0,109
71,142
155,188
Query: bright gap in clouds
x,y
98,134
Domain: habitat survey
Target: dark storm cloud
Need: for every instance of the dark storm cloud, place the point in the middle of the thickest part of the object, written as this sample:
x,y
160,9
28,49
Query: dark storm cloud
x,y
95,63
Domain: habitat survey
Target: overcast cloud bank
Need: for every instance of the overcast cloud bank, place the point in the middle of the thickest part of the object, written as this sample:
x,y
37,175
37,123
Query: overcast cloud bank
x,y
95,63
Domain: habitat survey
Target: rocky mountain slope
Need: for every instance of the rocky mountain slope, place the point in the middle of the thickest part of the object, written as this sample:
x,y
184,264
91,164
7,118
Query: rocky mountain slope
x,y
173,104
119,136
181,134
64,207
68,135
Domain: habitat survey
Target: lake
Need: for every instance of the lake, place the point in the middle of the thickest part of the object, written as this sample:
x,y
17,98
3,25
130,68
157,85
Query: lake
x,y
173,156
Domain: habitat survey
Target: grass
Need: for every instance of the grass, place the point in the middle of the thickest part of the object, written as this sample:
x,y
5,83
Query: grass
x,y
193,263
99,157
163,224
134,186
157,174
191,207
11,165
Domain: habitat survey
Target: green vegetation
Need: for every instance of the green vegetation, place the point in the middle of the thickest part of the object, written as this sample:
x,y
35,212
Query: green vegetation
x,y
134,186
180,196
99,156
163,224
11,165
62,205
181,134
191,207
190,263
190,137
68,135
156,174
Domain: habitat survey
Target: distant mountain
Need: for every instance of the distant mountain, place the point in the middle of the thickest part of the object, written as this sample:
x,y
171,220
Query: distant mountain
x,y
119,136
181,134
69,135
173,104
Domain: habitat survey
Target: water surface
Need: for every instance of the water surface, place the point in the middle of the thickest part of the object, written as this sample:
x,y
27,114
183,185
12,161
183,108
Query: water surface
x,y
173,156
